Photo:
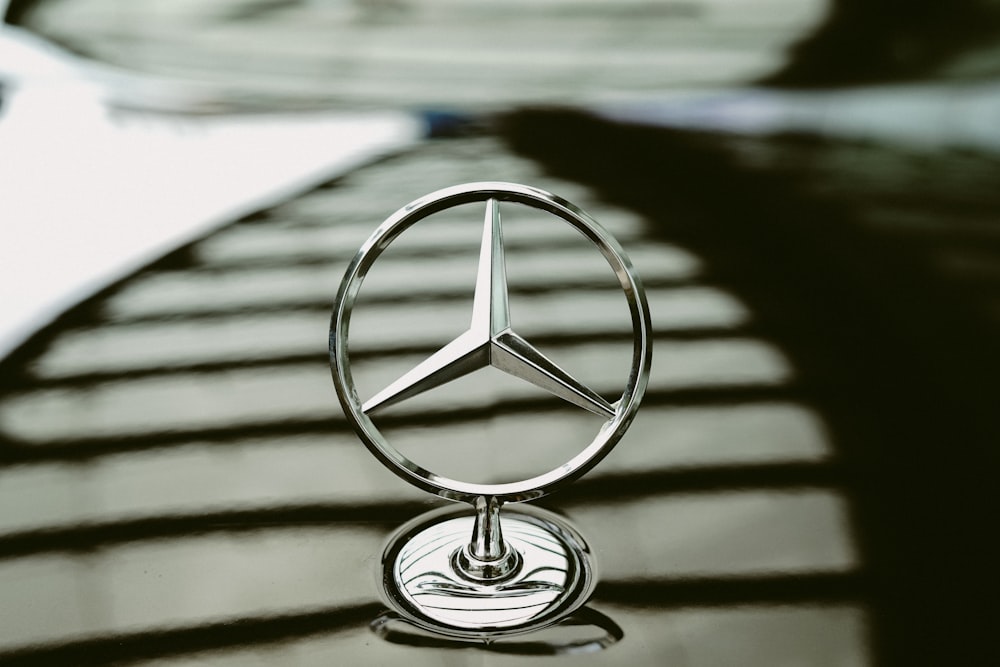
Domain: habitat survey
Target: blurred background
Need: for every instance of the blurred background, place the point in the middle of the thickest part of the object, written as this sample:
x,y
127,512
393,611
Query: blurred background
x,y
374,55
808,189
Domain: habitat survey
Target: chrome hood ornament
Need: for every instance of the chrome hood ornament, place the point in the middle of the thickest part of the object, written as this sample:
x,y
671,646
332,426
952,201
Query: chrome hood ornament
x,y
456,572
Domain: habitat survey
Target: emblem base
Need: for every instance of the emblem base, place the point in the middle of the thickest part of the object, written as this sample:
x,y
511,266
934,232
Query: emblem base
x,y
423,579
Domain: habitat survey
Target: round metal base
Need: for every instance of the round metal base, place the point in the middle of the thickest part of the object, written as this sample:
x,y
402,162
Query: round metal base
x,y
423,578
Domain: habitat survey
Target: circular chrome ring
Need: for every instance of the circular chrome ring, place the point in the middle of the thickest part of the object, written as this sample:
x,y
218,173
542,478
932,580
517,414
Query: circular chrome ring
x,y
623,410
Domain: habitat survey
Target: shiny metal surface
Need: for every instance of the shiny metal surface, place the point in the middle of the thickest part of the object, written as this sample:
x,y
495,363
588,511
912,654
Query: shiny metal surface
x,y
553,577
433,572
816,446
491,341
240,522
488,557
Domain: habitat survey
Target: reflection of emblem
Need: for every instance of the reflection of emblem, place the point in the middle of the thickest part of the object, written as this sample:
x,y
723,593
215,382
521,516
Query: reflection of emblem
x,y
489,568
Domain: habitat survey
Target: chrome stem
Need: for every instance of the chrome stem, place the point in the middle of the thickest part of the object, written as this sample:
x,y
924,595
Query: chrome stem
x,y
488,558
487,539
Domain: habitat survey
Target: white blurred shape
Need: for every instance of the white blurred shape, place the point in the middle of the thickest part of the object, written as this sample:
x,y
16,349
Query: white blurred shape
x,y
89,193
925,116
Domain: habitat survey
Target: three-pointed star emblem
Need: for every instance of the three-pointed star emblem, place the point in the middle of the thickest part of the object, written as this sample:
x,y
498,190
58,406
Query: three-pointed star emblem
x,y
491,341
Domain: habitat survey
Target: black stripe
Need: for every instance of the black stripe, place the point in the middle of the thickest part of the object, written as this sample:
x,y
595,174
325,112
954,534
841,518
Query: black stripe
x,y
126,647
